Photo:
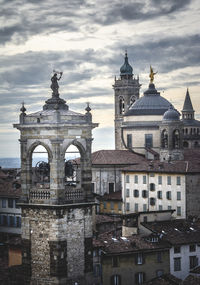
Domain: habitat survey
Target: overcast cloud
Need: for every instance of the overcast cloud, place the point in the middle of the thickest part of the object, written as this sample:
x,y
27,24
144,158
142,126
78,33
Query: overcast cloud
x,y
86,39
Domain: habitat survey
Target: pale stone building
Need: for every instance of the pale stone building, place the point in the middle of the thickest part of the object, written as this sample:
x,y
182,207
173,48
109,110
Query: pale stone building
x,y
57,215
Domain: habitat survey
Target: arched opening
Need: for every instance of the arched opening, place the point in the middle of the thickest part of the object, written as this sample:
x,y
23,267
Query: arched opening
x,y
121,105
132,100
185,144
196,144
40,167
72,166
186,131
176,139
164,139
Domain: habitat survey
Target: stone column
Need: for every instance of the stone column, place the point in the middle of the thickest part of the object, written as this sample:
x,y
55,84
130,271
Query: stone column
x,y
57,172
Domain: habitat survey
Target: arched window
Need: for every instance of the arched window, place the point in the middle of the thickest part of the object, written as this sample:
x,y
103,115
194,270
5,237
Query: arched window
x,y
41,167
176,139
164,139
186,131
121,105
72,166
185,144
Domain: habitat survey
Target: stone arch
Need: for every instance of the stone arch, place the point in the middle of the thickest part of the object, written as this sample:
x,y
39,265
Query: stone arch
x,y
185,144
132,100
164,139
76,143
121,105
34,145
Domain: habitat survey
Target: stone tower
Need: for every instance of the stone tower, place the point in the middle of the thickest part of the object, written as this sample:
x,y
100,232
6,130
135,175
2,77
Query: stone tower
x,y
126,92
56,214
171,136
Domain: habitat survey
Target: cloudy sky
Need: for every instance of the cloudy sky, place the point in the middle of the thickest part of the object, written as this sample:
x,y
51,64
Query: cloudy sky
x,y
86,39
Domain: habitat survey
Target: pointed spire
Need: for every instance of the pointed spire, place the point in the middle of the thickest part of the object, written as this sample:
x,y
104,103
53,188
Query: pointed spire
x,y
187,103
188,111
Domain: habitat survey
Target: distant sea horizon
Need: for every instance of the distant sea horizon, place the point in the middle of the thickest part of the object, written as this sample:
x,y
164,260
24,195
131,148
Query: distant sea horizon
x,y
15,162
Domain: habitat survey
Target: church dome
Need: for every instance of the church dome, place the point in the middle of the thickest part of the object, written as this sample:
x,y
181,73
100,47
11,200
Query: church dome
x,y
171,114
150,104
126,68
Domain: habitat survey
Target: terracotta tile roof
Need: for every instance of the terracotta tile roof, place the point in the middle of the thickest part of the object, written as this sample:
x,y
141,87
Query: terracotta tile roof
x,y
166,279
115,244
100,219
116,196
192,280
191,164
115,157
9,186
177,231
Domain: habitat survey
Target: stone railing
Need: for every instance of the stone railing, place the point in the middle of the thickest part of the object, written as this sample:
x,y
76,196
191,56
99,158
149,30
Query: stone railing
x,y
40,194
73,194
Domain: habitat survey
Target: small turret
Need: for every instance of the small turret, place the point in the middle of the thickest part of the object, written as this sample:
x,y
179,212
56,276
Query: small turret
x,y
188,111
126,71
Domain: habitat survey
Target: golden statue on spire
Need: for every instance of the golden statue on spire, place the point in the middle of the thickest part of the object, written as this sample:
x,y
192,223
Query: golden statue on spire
x,y
151,75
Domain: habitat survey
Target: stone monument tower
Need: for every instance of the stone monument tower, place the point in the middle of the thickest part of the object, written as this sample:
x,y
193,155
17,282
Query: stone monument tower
x,y
126,92
171,135
56,213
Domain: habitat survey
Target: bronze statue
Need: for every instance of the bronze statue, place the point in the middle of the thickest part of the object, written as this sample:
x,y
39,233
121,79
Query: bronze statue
x,y
54,84
151,75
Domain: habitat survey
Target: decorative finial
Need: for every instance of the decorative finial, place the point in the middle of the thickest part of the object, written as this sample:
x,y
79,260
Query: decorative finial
x,y
151,75
23,109
54,84
88,109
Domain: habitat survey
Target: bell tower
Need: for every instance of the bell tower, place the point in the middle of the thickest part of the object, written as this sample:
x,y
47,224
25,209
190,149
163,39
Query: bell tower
x,y
126,92
56,207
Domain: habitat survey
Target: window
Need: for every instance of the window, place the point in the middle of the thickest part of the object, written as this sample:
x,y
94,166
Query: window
x,y
177,249
193,261
144,193
159,194
168,195
192,247
178,180
104,205
10,203
121,105
112,205
129,140
18,222
139,258
169,207
148,140
160,207
11,221
169,180
127,179
3,203
127,193
139,278
97,270
160,180
152,201
144,207
115,280
136,179
111,187
144,179
159,256
152,187
136,193
178,211
145,219
115,261
177,264
159,273
119,206
127,207
16,204
178,195
136,207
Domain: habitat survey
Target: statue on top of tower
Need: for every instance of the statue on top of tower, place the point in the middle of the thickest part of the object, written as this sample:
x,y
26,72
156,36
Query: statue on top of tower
x,y
54,84
151,75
